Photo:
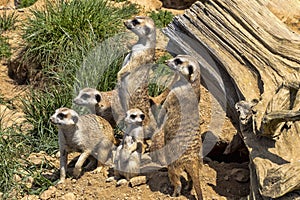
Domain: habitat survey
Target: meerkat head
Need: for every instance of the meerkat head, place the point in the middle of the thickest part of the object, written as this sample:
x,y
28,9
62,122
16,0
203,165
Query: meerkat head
x,y
134,116
140,25
64,117
245,110
185,65
88,97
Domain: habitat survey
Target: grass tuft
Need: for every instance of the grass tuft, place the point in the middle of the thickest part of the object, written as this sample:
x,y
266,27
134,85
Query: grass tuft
x,y
7,21
161,18
69,26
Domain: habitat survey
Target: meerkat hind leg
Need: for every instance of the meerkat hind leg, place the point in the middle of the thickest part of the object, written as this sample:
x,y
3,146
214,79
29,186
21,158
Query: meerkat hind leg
x,y
174,177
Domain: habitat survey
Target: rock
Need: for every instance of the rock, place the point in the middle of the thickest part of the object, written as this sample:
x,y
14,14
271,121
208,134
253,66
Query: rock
x,y
48,193
240,175
68,196
136,181
30,197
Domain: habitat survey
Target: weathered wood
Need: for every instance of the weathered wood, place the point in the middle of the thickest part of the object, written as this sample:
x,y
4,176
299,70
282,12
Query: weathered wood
x,y
246,53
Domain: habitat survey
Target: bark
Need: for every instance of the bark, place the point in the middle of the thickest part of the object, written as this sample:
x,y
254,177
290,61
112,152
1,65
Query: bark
x,y
246,53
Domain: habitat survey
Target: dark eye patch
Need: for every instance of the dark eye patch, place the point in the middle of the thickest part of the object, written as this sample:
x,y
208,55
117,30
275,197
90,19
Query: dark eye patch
x,y
142,116
132,116
85,96
177,61
61,116
135,22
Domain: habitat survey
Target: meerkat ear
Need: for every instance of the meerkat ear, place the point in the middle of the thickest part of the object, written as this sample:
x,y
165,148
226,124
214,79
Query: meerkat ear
x,y
98,97
147,30
75,119
191,73
142,117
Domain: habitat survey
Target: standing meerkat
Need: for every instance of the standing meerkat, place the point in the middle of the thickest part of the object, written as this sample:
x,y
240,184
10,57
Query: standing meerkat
x,y
89,134
98,103
134,75
179,120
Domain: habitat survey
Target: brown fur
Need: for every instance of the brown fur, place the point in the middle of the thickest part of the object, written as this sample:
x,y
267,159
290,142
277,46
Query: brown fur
x,y
134,75
179,120
89,134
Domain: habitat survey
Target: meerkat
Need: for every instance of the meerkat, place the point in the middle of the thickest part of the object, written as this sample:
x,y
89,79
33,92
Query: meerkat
x,y
144,50
134,75
89,134
128,155
127,160
98,103
179,120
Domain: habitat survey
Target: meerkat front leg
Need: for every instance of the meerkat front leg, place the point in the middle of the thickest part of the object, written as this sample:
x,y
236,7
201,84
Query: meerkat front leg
x,y
63,160
123,72
79,163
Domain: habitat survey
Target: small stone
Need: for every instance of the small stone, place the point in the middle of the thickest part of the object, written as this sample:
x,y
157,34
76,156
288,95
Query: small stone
x,y
73,181
68,196
48,193
226,178
240,175
29,182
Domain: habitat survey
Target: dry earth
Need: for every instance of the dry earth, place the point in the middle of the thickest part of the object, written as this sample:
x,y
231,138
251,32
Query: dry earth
x,y
222,176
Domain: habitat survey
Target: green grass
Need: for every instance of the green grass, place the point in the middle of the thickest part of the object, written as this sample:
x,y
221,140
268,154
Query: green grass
x,y
7,21
71,26
26,3
161,18
4,48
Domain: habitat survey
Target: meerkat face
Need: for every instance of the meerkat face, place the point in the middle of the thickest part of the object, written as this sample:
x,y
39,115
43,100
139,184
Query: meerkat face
x,y
245,110
185,65
64,117
134,116
88,97
142,26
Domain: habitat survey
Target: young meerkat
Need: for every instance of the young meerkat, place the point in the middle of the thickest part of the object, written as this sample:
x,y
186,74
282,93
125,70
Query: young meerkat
x,y
98,103
89,134
180,122
127,160
134,75
128,155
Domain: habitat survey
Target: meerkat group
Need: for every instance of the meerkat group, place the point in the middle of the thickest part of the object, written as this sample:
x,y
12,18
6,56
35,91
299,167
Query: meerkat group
x,y
175,132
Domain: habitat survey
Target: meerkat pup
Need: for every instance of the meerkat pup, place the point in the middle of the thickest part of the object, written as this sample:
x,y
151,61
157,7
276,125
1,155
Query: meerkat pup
x,y
179,121
128,155
98,103
127,160
89,134
134,75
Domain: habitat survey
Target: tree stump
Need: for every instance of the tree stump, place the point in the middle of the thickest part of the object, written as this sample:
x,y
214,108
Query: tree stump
x,y
247,53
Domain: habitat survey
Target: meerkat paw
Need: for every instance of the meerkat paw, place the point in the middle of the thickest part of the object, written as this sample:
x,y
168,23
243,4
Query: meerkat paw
x,y
76,172
110,179
97,170
122,182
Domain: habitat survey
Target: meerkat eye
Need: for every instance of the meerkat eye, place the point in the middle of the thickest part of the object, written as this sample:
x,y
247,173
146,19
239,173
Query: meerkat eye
x,y
142,116
132,116
177,61
85,96
135,22
61,116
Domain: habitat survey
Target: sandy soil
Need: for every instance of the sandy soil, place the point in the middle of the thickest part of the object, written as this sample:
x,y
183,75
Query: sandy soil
x,y
221,177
